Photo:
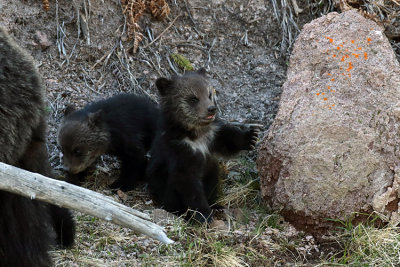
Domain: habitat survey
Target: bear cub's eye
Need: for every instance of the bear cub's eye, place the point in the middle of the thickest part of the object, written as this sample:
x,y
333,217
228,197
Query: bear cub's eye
x,y
193,100
77,152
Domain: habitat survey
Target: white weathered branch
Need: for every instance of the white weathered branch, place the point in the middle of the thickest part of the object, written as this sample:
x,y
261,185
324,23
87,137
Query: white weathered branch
x,y
36,186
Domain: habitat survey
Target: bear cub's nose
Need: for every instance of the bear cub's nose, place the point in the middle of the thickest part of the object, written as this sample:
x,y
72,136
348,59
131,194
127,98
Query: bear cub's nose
x,y
211,110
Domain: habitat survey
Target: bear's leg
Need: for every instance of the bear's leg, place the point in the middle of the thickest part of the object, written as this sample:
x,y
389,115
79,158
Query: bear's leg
x,y
35,159
24,234
212,184
64,225
190,190
172,202
133,168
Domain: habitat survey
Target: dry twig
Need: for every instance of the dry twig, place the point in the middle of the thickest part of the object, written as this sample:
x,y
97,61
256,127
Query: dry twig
x,y
166,29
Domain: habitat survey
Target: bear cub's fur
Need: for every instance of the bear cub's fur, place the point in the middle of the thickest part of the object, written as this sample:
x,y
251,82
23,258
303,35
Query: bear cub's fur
x,y
183,169
123,125
28,228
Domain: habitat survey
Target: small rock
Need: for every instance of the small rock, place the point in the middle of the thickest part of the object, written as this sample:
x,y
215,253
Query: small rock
x,y
42,40
218,225
122,196
218,2
239,215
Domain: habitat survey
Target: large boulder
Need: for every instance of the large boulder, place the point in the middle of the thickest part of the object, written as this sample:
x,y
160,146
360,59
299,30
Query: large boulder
x,y
334,147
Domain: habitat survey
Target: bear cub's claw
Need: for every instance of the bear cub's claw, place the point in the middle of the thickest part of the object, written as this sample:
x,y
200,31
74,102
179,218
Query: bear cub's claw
x,y
252,134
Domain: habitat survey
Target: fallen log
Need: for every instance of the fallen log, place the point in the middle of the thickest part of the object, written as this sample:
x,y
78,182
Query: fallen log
x,y
39,187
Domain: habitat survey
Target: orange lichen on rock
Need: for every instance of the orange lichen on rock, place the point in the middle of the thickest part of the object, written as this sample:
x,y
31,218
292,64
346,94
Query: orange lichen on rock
x,y
350,66
343,52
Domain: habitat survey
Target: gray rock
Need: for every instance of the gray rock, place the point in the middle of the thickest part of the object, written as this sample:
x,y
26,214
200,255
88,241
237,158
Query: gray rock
x,y
334,145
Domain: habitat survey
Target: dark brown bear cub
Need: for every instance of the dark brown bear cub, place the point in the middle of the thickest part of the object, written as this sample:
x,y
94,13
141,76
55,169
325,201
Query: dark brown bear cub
x,y
28,228
123,125
183,170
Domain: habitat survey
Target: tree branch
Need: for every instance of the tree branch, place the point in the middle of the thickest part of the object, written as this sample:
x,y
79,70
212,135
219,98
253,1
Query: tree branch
x,y
39,187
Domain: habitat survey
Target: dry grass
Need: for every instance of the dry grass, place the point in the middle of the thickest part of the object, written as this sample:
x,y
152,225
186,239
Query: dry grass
x,y
378,247
239,195
365,245
252,242
205,247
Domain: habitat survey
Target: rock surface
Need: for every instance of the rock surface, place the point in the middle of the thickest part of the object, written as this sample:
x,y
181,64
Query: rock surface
x,y
333,148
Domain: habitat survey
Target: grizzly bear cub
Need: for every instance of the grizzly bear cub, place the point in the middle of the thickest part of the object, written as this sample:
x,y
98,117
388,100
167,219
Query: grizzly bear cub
x,y
28,228
183,170
123,125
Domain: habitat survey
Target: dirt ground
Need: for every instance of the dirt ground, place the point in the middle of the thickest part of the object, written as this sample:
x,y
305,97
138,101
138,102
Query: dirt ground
x,y
237,41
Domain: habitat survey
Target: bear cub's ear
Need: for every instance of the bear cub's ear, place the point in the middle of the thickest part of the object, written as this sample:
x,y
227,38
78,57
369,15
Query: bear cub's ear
x,y
95,118
69,109
163,84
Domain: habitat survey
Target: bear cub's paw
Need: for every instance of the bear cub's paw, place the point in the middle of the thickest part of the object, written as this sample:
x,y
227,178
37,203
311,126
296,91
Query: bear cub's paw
x,y
118,184
218,207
